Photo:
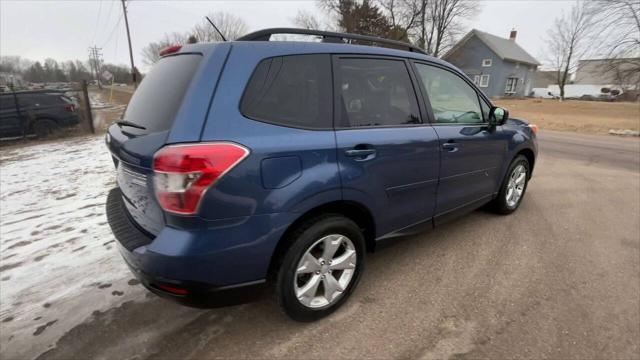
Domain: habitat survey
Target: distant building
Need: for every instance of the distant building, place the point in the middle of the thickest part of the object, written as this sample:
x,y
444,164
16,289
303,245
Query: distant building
x,y
543,79
499,66
623,73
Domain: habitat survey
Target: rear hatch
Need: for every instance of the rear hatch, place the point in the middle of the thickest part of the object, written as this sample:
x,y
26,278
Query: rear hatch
x,y
144,129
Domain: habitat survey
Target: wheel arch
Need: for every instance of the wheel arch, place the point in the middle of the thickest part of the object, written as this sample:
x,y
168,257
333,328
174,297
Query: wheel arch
x,y
531,158
357,212
36,119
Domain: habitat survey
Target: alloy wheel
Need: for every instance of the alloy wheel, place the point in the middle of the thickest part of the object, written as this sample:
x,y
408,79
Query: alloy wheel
x,y
516,184
325,271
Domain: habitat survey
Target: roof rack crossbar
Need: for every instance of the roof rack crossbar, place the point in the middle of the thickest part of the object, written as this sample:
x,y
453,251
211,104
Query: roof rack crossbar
x,y
327,36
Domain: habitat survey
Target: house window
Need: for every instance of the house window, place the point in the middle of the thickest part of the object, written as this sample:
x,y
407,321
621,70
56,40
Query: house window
x,y
484,81
511,85
486,62
476,79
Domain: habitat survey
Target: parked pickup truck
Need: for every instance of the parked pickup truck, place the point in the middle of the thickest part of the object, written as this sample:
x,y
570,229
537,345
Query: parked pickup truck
x,y
39,113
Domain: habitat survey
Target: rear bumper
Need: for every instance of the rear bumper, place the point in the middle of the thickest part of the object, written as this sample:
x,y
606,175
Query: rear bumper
x,y
223,264
196,294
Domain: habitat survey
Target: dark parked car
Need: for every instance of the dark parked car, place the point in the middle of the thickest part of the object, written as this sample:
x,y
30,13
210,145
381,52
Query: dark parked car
x,y
256,162
39,113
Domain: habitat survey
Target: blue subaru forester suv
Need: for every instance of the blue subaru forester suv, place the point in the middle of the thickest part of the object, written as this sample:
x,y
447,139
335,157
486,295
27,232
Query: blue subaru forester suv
x,y
255,162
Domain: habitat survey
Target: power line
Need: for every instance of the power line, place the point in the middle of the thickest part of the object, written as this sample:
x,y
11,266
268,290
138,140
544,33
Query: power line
x,y
109,12
113,31
95,32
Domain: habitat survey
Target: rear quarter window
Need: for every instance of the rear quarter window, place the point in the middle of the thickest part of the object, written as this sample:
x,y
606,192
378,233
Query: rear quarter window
x,y
156,101
292,91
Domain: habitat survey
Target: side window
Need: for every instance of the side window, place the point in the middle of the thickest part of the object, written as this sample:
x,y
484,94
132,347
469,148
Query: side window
x,y
291,91
452,99
375,92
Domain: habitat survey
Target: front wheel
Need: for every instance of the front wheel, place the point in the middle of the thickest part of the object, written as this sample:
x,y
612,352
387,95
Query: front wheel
x,y
513,187
321,268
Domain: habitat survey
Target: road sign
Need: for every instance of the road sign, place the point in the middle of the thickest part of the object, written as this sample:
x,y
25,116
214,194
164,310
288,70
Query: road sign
x,y
107,75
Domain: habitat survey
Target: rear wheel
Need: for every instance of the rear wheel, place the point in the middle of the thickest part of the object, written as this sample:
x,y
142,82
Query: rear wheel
x,y
513,187
44,128
321,268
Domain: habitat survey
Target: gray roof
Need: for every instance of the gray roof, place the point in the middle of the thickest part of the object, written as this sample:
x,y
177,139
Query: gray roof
x,y
505,48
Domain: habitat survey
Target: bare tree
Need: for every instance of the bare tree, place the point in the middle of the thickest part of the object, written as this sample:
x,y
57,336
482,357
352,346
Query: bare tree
x,y
307,20
566,42
404,16
231,26
440,22
618,23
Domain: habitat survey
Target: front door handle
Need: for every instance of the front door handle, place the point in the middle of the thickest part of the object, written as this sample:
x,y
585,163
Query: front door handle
x,y
361,154
450,146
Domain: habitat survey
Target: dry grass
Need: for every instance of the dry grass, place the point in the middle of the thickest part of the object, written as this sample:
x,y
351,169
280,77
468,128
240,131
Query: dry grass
x,y
590,117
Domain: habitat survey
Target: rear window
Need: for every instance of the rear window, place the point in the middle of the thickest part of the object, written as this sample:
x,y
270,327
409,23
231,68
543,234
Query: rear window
x,y
291,91
157,100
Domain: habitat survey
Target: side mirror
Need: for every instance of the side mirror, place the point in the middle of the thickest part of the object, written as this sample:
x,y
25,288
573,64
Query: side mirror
x,y
498,116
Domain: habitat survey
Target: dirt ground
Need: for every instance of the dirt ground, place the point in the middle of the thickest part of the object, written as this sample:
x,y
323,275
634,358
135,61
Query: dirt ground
x,y
589,117
108,107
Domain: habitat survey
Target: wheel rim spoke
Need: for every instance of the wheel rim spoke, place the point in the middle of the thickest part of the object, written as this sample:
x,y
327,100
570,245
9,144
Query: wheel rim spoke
x,y
331,287
331,245
509,194
344,261
309,264
309,291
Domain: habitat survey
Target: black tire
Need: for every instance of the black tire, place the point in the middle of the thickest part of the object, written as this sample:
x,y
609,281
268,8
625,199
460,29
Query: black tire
x,y
301,240
45,127
500,204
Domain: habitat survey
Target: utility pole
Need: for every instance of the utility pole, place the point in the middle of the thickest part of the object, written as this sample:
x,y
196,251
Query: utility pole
x,y
126,23
95,59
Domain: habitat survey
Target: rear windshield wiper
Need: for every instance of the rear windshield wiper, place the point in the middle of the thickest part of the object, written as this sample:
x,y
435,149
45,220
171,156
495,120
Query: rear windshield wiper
x,y
129,123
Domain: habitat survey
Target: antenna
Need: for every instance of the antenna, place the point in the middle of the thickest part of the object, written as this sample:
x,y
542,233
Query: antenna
x,y
214,26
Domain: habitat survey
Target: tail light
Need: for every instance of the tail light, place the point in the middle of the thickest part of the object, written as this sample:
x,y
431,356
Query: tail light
x,y
70,108
534,128
170,50
183,173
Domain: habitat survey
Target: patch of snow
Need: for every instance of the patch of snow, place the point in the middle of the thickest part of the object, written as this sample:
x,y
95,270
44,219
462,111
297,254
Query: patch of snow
x,y
58,259
624,132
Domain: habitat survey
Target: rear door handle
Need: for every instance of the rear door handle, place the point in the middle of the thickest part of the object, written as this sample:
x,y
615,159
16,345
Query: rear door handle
x,y
450,146
361,154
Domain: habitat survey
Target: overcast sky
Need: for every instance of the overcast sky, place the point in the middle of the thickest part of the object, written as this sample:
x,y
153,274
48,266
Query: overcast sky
x,y
63,30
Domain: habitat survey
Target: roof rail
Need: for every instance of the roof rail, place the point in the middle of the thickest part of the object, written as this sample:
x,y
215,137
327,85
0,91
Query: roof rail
x,y
327,36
